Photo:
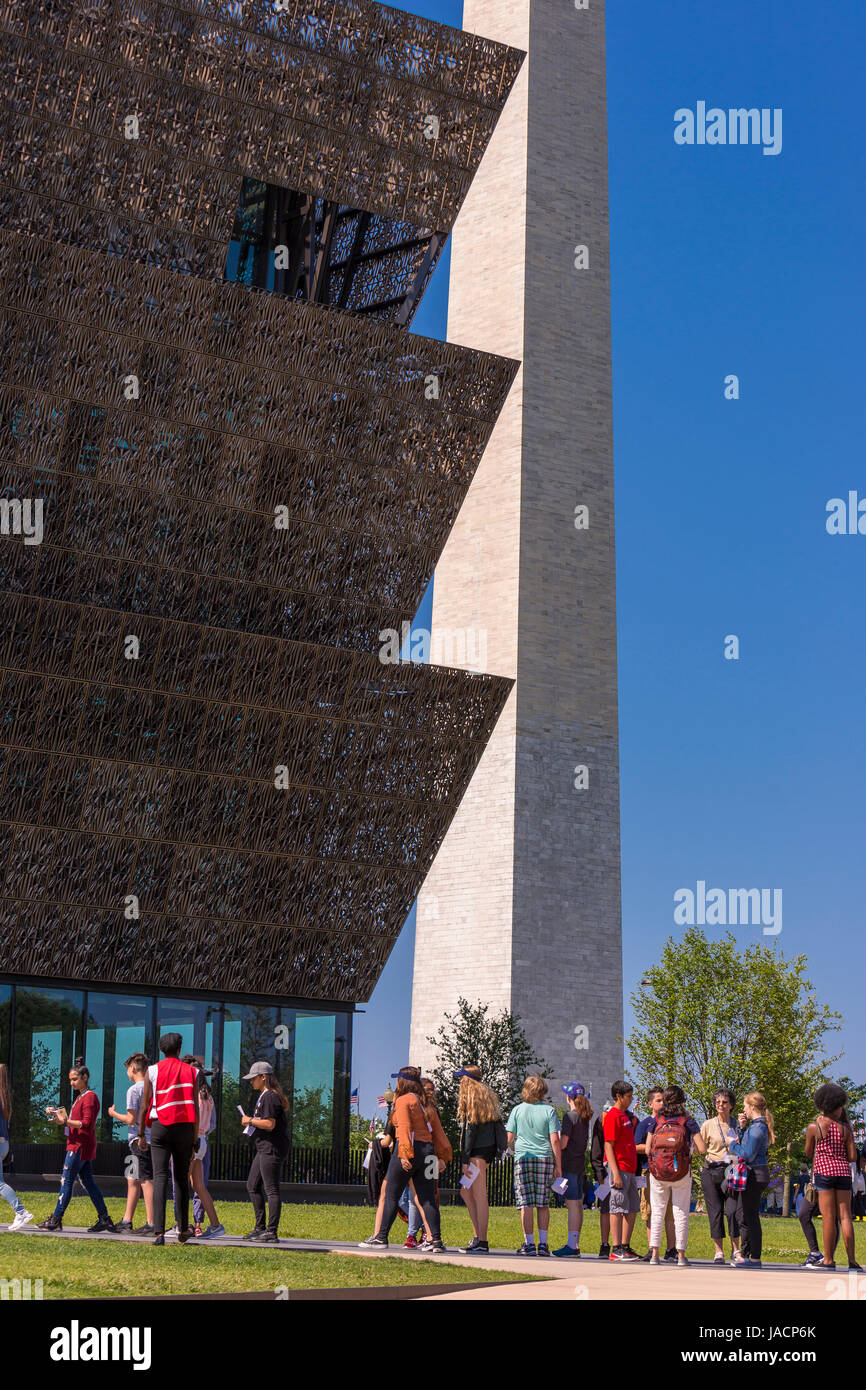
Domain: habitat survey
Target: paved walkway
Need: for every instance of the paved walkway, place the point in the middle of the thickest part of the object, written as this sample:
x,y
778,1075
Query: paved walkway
x,y
564,1280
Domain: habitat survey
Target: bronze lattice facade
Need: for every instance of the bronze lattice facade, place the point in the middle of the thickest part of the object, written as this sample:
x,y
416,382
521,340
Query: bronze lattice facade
x,y
217,218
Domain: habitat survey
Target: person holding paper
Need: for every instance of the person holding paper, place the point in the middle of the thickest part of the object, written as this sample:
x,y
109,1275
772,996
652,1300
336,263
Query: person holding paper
x,y
575,1137
533,1131
480,1118
422,1151
599,1173
267,1126
621,1155
79,1126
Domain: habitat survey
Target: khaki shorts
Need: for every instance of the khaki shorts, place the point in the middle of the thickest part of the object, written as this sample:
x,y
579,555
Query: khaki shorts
x,y
645,1200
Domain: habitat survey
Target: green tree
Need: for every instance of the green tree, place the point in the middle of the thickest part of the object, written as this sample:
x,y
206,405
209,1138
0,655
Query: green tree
x,y
709,1015
856,1105
494,1042
359,1133
312,1123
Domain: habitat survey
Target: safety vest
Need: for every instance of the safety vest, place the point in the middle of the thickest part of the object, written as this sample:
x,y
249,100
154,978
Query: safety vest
x,y
173,1084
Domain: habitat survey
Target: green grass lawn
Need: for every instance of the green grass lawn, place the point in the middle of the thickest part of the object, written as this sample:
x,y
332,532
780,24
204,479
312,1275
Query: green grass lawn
x,y
109,1268
783,1238
99,1269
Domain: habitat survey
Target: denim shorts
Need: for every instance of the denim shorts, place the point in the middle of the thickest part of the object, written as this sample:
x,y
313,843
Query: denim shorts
x,y
574,1191
832,1184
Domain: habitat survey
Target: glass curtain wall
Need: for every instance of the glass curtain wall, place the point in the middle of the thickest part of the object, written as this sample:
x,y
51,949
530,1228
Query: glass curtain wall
x,y
43,1030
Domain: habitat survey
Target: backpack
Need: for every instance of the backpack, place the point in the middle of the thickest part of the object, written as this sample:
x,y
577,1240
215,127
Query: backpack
x,y
669,1156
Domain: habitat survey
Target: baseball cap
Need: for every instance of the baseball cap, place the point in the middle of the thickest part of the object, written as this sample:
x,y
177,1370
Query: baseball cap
x,y
574,1089
258,1069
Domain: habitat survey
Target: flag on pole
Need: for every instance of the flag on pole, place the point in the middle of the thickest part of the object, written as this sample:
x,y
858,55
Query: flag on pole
x,y
381,1102
353,1099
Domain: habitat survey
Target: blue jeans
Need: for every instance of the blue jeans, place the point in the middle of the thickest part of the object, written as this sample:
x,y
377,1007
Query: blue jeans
x,y
74,1168
6,1192
407,1205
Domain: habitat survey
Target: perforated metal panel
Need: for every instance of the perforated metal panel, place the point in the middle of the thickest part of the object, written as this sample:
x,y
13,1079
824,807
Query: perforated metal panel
x,y
208,776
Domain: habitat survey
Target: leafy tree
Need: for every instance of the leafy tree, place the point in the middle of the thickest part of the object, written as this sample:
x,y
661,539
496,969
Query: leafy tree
x,y
494,1042
856,1105
312,1123
359,1132
709,1015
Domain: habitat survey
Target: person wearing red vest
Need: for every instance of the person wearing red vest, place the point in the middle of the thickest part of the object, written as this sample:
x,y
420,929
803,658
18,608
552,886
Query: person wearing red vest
x,y
169,1104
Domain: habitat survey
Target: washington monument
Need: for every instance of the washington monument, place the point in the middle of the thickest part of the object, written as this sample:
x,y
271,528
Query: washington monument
x,y
522,906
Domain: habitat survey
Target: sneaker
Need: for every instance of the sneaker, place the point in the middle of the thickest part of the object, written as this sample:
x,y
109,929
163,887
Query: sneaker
x,y
104,1223
123,1226
654,1259
543,1247
184,1236
269,1238
670,1256
682,1262
819,1264
855,1269
213,1231
623,1254
145,1230
435,1247
256,1234
172,1231
756,1264
373,1243
52,1224
159,1239
604,1252
719,1260
476,1247
567,1252
813,1258
410,1243
633,1253
525,1249
23,1218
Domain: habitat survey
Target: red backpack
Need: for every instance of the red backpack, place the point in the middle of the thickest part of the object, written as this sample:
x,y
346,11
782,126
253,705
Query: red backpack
x,y
669,1156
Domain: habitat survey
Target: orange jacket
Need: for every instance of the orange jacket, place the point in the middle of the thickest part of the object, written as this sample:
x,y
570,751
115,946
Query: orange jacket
x,y
411,1121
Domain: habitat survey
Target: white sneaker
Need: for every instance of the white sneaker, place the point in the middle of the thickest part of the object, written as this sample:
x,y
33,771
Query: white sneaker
x,y
22,1218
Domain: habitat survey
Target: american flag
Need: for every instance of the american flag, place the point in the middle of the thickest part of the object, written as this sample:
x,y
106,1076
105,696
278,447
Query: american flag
x,y
353,1099
380,1102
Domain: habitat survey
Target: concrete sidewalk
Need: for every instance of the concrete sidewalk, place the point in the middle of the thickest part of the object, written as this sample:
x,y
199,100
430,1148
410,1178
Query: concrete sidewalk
x,y
563,1280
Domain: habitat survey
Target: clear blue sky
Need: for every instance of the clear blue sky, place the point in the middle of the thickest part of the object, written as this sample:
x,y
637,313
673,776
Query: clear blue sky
x,y
747,773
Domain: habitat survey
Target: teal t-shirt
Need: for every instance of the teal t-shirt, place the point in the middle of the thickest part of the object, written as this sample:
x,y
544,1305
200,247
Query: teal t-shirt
x,y
533,1125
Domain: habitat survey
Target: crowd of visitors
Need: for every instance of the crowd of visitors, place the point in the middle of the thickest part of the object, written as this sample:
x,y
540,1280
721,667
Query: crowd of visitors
x,y
639,1166
626,1165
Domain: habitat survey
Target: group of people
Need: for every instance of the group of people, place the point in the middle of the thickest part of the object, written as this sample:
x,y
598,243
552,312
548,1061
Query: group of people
x,y
169,1114
640,1167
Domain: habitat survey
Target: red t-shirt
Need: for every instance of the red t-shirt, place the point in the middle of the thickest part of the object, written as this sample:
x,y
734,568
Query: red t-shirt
x,y
86,1109
619,1130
